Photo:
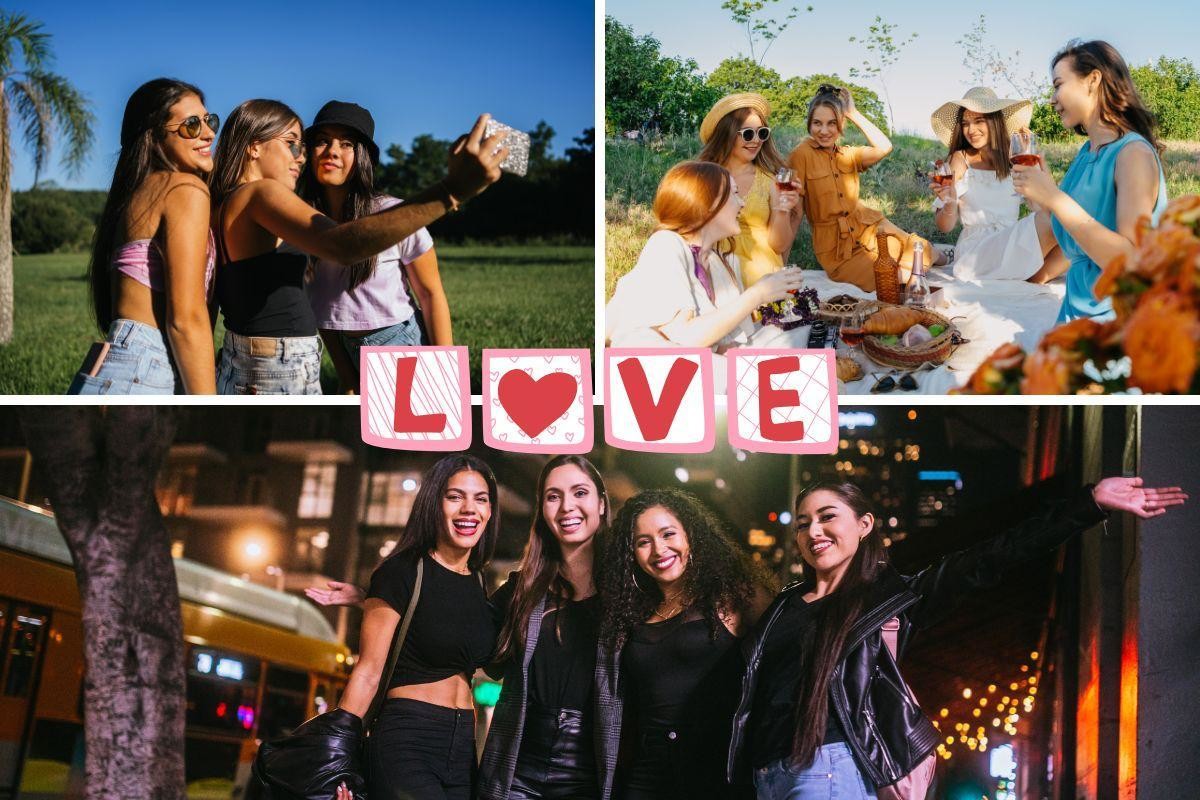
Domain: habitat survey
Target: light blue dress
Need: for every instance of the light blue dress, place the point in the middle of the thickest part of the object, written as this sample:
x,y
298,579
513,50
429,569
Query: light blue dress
x,y
1090,181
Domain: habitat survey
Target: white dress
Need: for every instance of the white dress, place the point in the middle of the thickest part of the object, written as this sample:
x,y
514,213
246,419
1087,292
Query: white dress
x,y
663,285
994,243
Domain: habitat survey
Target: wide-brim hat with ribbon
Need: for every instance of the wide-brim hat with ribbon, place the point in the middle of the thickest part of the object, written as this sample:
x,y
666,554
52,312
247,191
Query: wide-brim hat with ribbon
x,y
352,116
732,102
981,100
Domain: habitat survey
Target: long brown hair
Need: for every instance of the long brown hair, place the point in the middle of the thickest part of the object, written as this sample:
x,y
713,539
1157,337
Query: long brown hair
x,y
360,196
835,617
725,138
1120,104
427,519
252,121
720,577
997,146
142,153
541,565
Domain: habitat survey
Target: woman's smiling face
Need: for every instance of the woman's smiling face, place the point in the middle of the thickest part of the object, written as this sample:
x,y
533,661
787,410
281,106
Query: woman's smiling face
x,y
660,546
828,531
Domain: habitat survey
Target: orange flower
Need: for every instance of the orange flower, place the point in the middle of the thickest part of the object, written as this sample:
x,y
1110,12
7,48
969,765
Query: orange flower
x,y
1184,210
1163,253
989,377
1161,340
1069,334
1107,283
1046,372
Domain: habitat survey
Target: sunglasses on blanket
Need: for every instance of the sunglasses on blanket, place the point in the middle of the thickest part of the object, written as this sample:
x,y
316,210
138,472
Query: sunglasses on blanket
x,y
191,127
748,134
907,383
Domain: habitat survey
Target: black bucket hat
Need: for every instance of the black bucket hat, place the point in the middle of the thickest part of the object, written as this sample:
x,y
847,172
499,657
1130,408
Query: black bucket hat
x,y
352,116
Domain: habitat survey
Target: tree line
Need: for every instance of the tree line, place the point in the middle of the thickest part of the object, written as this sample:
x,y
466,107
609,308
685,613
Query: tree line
x,y
554,201
646,90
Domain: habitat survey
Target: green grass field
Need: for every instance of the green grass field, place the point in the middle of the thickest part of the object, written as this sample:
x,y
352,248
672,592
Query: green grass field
x,y
509,297
632,173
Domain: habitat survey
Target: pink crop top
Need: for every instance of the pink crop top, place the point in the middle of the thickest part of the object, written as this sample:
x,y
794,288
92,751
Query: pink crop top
x,y
142,260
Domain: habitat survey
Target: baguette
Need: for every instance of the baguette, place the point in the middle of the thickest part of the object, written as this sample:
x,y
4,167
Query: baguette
x,y
892,319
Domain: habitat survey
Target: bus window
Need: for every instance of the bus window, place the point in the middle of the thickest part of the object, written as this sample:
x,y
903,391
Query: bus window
x,y
28,630
221,690
285,702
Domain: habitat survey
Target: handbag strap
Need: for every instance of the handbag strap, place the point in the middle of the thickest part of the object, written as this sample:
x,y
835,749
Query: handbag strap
x,y
890,630
385,678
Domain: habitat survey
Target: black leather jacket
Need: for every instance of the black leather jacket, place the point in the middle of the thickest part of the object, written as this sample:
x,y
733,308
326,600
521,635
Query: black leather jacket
x,y
885,729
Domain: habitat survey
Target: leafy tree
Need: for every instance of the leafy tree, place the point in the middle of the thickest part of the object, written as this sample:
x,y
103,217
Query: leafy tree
x,y
408,172
1000,71
751,15
743,75
643,90
44,223
1171,88
789,98
43,103
789,101
883,51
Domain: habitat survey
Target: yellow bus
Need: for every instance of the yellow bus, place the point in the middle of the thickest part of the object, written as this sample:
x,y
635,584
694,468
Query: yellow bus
x,y
259,662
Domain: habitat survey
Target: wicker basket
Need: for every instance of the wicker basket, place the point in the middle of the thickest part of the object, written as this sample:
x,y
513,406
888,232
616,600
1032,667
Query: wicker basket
x,y
935,351
838,312
887,279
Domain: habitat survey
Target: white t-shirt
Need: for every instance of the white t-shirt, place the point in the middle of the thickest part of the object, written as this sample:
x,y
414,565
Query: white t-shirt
x,y
379,301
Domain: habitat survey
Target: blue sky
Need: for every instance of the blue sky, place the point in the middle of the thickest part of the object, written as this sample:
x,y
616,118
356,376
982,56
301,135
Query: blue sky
x,y
931,72
420,67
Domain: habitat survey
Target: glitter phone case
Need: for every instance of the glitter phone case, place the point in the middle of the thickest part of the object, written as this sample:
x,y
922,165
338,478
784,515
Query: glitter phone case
x,y
517,142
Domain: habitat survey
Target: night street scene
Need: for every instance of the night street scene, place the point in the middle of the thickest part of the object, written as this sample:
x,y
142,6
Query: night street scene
x,y
1072,677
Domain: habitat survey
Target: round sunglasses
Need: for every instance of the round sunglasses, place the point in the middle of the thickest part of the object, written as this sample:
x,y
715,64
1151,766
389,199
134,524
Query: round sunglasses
x,y
748,134
191,127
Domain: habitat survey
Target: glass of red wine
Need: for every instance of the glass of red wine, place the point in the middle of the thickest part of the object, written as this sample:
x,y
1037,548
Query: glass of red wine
x,y
1023,149
942,174
785,179
852,328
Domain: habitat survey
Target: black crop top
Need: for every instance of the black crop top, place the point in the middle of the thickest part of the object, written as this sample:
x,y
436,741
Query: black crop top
x,y
453,631
264,295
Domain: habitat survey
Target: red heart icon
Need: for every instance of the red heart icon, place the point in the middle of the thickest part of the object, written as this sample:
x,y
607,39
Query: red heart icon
x,y
534,404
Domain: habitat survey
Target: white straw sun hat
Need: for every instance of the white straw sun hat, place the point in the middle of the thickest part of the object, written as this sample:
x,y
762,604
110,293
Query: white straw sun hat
x,y
981,100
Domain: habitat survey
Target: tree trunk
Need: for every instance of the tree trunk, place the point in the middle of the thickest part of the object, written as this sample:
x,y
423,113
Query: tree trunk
x,y
100,466
6,251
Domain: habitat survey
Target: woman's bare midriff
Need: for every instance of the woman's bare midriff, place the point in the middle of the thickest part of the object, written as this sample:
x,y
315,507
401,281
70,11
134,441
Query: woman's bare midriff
x,y
452,692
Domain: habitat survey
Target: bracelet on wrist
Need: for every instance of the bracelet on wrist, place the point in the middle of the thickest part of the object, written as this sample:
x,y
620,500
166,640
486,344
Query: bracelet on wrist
x,y
452,203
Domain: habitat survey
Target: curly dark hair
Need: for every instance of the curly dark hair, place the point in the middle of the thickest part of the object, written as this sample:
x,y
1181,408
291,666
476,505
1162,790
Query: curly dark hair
x,y
720,577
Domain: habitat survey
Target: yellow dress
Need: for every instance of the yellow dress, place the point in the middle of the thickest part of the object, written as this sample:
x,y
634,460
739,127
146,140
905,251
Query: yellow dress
x,y
752,245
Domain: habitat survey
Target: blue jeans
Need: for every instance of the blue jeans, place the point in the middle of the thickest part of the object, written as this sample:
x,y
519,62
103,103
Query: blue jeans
x,y
266,365
402,334
833,775
137,362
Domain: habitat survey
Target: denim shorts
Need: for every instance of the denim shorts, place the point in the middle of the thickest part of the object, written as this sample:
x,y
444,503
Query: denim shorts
x,y
267,365
833,774
138,362
402,334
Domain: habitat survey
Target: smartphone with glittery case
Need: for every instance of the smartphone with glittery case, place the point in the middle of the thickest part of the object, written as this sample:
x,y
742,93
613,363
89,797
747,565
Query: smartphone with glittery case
x,y
517,142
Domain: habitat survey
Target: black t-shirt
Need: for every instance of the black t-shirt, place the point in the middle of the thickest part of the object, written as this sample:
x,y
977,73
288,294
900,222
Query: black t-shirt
x,y
773,715
453,630
680,675
562,672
